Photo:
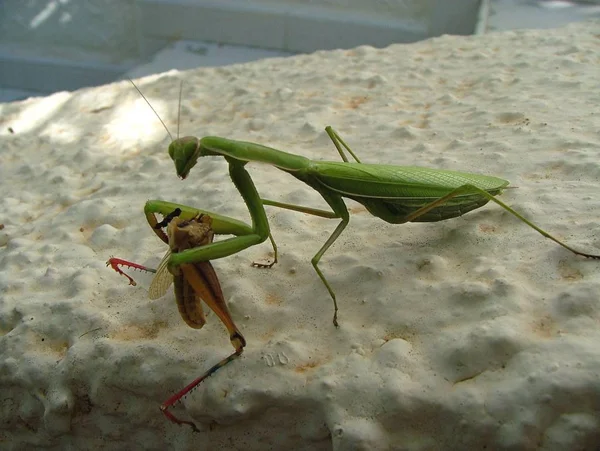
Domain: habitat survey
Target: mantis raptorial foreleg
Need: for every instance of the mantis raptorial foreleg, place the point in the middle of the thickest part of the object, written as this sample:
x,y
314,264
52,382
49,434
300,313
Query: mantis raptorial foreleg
x,y
221,225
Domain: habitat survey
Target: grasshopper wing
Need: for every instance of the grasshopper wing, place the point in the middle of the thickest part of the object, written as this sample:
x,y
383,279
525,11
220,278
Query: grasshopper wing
x,y
162,280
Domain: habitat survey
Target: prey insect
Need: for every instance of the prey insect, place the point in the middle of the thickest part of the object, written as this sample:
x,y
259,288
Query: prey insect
x,y
193,283
395,194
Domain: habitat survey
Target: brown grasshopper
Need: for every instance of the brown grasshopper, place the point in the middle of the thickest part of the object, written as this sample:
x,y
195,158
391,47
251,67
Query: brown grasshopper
x,y
193,283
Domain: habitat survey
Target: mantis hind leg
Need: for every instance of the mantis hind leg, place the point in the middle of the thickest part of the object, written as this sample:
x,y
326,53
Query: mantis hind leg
x,y
338,142
315,262
471,189
340,211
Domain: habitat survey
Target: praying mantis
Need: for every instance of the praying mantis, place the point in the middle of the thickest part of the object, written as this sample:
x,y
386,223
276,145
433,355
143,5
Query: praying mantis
x,y
193,283
395,194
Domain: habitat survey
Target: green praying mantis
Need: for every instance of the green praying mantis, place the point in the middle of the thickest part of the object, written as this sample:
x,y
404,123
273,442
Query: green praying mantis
x,y
395,194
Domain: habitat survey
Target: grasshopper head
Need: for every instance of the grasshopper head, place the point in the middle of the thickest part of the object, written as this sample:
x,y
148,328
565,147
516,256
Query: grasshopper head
x,y
185,153
189,233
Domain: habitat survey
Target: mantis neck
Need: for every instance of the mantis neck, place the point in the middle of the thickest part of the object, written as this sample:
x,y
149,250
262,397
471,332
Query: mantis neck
x,y
245,151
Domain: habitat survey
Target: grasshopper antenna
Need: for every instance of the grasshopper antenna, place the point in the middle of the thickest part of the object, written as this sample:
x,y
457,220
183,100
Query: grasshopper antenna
x,y
152,108
179,108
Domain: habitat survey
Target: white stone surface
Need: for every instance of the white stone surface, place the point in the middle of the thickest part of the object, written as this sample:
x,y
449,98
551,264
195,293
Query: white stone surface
x,y
466,334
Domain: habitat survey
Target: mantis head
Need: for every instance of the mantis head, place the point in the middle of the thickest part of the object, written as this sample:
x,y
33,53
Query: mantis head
x,y
185,153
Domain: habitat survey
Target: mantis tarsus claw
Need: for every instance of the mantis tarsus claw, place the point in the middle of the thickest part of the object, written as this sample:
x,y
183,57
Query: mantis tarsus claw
x,y
263,264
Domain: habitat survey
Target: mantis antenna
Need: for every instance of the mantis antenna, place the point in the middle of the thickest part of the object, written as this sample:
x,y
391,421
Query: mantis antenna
x,y
154,111
179,108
